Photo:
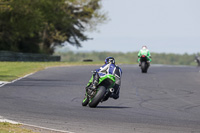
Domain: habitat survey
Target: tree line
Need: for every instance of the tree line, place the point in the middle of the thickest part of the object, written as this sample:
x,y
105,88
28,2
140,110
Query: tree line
x,y
128,58
38,26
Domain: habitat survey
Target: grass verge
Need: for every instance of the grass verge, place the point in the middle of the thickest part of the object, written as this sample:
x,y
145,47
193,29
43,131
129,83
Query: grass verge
x,y
13,70
13,128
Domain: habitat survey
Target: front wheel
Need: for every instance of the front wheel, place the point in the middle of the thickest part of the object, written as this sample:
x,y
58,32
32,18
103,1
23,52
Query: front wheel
x,y
85,101
98,97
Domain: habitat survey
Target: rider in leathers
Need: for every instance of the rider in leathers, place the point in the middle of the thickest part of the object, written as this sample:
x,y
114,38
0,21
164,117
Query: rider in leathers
x,y
144,51
197,59
108,68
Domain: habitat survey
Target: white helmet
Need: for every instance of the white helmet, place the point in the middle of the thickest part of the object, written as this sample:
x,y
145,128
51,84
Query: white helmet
x,y
144,47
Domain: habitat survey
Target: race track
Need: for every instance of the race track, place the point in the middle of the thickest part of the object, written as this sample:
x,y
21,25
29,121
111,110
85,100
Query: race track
x,y
165,100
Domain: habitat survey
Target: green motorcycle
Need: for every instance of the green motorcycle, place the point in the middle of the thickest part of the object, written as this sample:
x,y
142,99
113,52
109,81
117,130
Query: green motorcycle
x,y
101,92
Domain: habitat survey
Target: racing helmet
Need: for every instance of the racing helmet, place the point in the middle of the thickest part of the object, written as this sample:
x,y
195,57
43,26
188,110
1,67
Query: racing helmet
x,y
109,60
144,47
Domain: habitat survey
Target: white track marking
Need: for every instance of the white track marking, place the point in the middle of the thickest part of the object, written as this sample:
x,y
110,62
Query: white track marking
x,y
46,128
14,122
6,120
2,83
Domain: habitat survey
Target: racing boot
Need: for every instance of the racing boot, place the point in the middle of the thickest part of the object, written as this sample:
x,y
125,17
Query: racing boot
x,y
95,81
94,84
139,63
148,63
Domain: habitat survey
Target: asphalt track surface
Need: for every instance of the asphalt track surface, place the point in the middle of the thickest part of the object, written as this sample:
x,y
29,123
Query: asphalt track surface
x,y
165,100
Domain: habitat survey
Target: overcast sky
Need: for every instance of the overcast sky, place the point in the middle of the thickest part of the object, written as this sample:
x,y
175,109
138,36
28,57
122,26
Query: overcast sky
x,y
170,26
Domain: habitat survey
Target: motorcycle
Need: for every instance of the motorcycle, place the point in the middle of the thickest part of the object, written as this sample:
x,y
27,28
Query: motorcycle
x,y
144,64
197,59
102,91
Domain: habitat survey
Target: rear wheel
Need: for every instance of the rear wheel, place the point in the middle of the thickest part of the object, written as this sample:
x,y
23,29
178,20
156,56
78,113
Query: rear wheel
x,y
143,67
98,97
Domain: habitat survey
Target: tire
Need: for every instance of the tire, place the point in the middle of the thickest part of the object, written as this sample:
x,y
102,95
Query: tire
x,y
85,101
98,97
143,67
106,97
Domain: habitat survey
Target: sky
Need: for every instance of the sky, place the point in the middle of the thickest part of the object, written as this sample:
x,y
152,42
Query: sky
x,y
170,26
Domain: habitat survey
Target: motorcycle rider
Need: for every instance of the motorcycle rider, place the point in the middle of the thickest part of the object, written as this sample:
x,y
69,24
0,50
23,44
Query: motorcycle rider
x,y
108,68
197,59
144,51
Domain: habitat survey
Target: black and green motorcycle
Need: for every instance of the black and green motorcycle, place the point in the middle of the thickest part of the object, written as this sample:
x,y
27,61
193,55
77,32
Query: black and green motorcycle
x,y
101,92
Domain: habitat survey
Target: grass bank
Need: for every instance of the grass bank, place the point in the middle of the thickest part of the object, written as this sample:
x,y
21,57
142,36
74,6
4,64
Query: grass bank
x,y
12,128
13,70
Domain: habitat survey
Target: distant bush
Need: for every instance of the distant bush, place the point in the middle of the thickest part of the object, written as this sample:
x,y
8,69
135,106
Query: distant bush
x,y
128,58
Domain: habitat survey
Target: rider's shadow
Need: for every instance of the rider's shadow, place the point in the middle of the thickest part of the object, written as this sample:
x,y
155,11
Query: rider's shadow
x,y
113,107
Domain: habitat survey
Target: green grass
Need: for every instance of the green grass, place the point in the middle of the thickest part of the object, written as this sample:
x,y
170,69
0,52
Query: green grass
x,y
13,70
12,128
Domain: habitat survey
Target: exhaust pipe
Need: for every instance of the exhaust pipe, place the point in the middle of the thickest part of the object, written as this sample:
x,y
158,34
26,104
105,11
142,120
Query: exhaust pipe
x,y
112,90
